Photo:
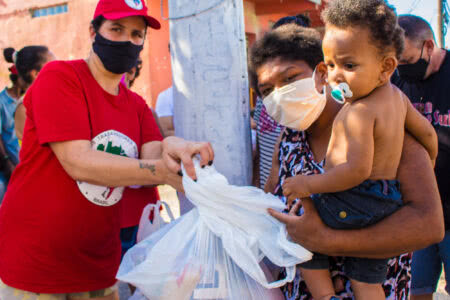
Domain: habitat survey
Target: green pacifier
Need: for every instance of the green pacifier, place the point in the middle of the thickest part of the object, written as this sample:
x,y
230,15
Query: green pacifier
x,y
341,92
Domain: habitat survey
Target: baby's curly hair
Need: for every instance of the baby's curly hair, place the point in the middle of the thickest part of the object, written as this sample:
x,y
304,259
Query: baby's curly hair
x,y
376,15
288,42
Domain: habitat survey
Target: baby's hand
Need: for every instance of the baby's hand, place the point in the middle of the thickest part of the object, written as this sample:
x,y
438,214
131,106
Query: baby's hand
x,y
295,187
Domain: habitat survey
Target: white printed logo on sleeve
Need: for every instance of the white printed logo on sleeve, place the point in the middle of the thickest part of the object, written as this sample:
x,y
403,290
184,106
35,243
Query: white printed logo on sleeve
x,y
113,142
135,4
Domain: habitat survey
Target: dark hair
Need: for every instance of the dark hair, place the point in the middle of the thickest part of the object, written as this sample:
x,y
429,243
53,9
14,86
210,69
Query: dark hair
x,y
299,19
8,55
30,58
97,22
138,67
289,42
416,29
376,15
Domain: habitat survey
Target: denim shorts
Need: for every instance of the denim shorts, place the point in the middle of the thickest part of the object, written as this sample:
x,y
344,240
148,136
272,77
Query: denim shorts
x,y
426,267
128,237
357,208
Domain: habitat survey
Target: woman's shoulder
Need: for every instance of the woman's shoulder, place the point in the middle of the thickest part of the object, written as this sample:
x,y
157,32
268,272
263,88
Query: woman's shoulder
x,y
61,66
137,99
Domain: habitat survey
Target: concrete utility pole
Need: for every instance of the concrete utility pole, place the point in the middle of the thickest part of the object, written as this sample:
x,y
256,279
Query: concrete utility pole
x,y
440,27
209,66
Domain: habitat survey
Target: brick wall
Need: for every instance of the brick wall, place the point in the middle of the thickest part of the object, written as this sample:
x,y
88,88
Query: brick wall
x,y
67,36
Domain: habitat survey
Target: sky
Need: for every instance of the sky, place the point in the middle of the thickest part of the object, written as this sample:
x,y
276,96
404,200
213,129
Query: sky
x,y
426,9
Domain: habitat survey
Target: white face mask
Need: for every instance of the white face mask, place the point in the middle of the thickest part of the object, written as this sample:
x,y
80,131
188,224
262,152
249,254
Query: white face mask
x,y
296,105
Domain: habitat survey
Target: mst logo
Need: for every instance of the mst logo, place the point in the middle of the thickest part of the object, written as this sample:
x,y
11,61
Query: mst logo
x,y
113,142
135,4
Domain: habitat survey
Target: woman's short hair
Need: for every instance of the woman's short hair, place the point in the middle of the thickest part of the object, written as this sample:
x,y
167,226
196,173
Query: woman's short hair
x,y
288,42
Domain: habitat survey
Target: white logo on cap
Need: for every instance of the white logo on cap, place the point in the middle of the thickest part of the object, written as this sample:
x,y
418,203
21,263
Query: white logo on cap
x,y
135,4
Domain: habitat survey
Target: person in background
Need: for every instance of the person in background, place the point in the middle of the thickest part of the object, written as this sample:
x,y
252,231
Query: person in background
x,y
87,138
9,145
27,63
424,76
164,110
133,74
300,20
267,129
129,78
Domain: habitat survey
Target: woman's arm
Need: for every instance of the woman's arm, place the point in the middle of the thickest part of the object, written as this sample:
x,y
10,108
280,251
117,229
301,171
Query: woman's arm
x,y
161,165
83,163
416,225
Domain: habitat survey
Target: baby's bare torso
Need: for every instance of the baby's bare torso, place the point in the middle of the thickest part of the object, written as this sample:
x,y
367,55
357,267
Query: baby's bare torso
x,y
382,113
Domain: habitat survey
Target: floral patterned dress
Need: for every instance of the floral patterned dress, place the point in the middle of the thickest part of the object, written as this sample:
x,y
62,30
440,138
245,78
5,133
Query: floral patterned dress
x,y
296,157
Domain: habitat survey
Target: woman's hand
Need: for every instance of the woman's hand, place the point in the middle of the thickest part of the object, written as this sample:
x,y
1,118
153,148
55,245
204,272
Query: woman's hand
x,y
177,150
174,180
307,230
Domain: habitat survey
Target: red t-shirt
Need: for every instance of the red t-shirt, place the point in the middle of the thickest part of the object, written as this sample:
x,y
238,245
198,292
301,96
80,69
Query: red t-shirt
x,y
133,203
58,235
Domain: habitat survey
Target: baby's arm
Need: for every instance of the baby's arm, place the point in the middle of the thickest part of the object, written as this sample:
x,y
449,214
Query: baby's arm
x,y
357,131
421,129
416,225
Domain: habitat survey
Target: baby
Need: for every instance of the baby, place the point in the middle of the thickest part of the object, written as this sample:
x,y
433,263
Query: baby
x,y
361,46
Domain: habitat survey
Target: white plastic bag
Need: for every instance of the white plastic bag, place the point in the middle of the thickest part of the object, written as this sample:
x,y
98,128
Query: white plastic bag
x,y
215,251
146,227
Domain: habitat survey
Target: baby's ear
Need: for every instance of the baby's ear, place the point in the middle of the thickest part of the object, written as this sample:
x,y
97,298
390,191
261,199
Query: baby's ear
x,y
321,76
388,66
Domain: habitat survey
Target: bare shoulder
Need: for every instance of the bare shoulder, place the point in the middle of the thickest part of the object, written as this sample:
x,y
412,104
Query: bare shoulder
x,y
399,95
362,109
384,100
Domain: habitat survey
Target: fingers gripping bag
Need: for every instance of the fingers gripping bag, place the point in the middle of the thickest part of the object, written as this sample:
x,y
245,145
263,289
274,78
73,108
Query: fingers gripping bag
x,y
216,250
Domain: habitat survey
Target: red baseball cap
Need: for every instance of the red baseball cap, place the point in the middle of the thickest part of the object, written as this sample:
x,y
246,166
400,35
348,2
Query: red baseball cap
x,y
118,9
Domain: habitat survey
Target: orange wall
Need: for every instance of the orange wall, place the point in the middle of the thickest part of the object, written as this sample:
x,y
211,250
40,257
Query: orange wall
x,y
67,35
250,18
266,14
158,56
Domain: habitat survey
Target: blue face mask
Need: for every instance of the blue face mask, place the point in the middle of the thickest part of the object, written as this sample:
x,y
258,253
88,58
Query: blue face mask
x,y
117,57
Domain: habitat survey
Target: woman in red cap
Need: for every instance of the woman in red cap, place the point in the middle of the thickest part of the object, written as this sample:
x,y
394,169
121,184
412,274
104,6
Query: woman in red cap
x,y
86,138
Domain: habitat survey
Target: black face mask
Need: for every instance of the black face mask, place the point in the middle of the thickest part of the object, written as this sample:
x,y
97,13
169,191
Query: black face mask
x,y
415,72
117,57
